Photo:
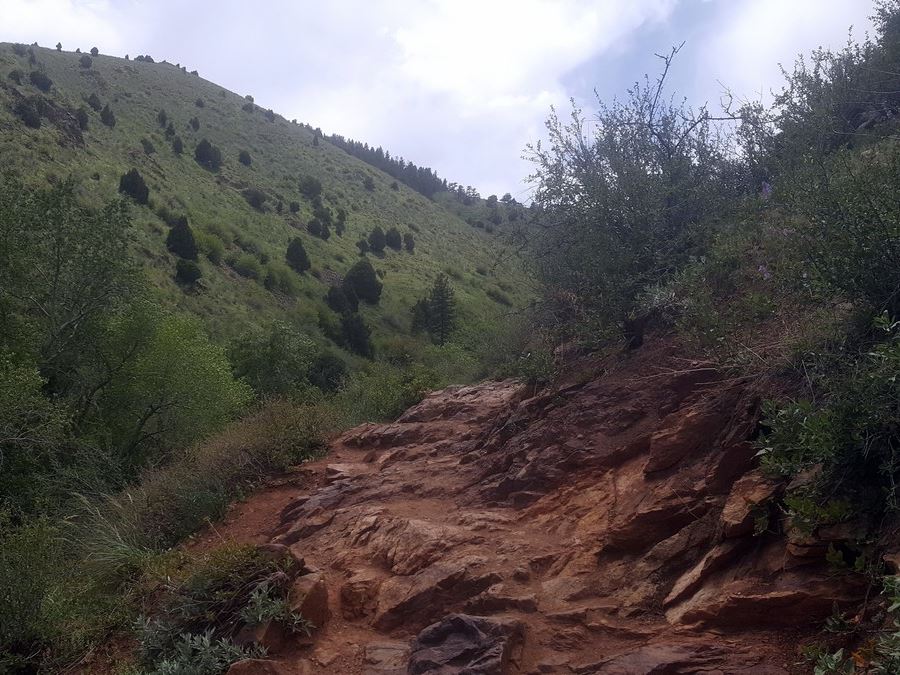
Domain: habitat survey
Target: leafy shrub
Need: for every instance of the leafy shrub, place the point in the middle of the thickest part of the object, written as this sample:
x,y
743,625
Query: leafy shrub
x,y
356,335
369,184
364,283
310,187
296,256
393,239
270,115
247,265
327,372
294,207
208,155
94,102
194,123
181,242
28,111
81,116
499,297
409,242
279,278
199,103
177,145
40,80
341,299
187,271
377,240
363,246
274,360
85,61
170,130
248,107
95,51
255,197
132,184
244,158
107,116
211,246
16,75
162,118
148,147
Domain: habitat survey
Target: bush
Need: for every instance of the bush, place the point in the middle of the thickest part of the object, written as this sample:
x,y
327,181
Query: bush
x,y
377,240
369,184
270,115
294,207
274,360
85,61
244,158
107,116
342,299
94,102
181,242
356,335
255,198
16,76
199,103
363,246
81,116
211,246
279,278
177,145
409,242
95,51
327,372
296,256
40,80
247,265
163,119
393,239
208,155
148,147
132,184
187,271
363,281
310,187
194,123
170,130
499,297
28,111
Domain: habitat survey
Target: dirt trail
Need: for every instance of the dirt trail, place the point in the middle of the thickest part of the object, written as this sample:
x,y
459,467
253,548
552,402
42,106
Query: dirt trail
x,y
604,526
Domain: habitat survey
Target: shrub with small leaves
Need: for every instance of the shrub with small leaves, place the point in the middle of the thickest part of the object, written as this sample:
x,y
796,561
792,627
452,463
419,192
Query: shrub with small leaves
x,y
40,80
94,102
107,116
85,61
16,76
95,51
208,155
199,103
393,239
29,112
133,185
81,116
181,242
255,198
195,123
187,271
177,145
148,146
244,158
296,256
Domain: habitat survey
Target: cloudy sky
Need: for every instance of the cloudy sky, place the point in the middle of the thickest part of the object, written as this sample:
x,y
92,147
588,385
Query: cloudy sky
x,y
458,85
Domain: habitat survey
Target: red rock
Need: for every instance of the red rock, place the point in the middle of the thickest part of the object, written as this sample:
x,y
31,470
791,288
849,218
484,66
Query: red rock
x,y
694,430
465,644
690,581
309,598
743,503
359,596
386,658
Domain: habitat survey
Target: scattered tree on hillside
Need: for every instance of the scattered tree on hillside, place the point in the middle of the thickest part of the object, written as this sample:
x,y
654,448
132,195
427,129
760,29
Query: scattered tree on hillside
x,y
342,299
208,155
85,61
132,184
177,145
195,123
357,335
107,116
409,242
81,116
148,146
181,241
255,198
369,184
377,240
327,372
94,102
270,115
361,278
296,256
441,310
59,46
29,112
310,187
294,207
95,51
244,158
16,75
162,118
187,271
363,246
199,103
40,80
393,239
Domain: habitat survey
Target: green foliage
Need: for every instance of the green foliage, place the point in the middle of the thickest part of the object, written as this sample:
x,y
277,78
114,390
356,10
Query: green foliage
x,y
369,184
274,361
132,184
81,116
29,111
85,61
436,313
95,51
208,155
177,145
363,281
187,271
342,299
107,116
40,80
377,240
148,146
255,198
409,242
296,256
94,102
211,246
310,187
247,265
356,335
16,75
393,239
244,158
327,372
279,278
181,242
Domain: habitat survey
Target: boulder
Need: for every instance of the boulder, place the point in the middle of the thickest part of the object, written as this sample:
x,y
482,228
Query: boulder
x,y
686,658
694,430
386,658
309,598
359,596
743,503
460,643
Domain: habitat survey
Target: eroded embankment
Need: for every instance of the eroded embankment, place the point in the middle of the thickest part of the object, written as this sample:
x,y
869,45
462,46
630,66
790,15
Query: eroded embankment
x,y
603,526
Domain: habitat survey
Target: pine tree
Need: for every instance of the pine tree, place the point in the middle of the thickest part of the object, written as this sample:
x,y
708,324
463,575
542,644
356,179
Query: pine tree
x,y
364,282
409,242
357,335
421,316
107,116
133,185
441,310
393,239
181,241
296,256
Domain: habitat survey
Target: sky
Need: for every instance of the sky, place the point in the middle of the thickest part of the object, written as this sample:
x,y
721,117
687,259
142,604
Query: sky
x,y
458,85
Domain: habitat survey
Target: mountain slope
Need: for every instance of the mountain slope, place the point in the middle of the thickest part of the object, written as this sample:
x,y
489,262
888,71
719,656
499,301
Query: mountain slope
x,y
282,154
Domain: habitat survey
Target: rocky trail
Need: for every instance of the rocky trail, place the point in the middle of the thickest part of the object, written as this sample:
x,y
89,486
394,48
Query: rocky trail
x,y
610,524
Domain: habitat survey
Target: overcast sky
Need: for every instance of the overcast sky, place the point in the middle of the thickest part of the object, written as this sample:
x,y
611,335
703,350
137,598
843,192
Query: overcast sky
x,y
458,85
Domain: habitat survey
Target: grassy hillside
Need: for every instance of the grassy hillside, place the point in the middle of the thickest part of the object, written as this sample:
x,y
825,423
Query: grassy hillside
x,y
282,153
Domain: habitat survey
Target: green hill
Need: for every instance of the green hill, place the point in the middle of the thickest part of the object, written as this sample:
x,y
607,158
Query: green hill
x,y
243,245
